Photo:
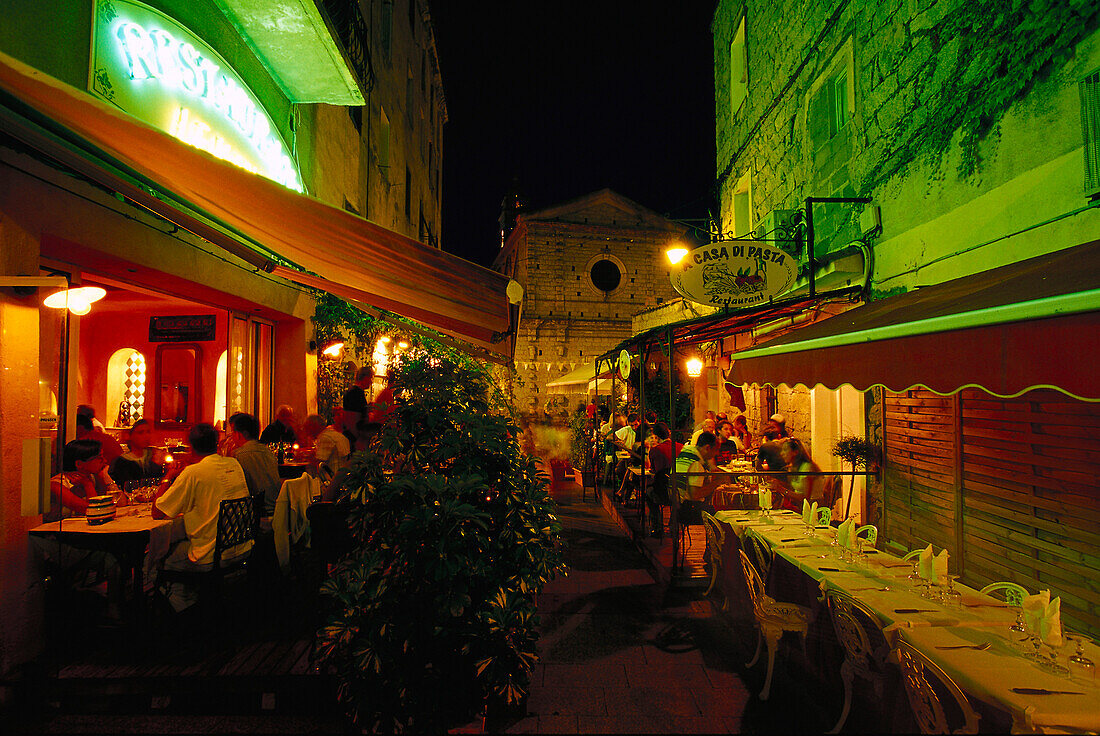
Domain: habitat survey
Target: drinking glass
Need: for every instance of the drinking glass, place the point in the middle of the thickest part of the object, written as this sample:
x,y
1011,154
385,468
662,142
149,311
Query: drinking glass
x,y
914,575
951,597
1081,668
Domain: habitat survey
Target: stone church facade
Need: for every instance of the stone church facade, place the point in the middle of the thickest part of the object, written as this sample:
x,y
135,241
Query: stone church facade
x,y
587,266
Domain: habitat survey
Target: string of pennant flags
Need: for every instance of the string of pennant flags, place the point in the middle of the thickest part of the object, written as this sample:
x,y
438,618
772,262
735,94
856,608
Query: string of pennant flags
x,y
546,366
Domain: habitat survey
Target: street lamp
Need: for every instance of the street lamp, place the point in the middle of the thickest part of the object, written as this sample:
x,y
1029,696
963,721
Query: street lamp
x,y
333,350
676,253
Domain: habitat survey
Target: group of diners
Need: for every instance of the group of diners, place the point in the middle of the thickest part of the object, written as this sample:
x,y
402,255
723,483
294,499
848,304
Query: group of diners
x,y
188,484
716,441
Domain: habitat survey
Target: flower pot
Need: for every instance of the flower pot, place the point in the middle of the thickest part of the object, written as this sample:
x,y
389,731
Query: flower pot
x,y
499,715
558,469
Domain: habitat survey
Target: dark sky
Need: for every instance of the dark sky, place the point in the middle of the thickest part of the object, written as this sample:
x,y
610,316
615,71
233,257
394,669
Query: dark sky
x,y
570,97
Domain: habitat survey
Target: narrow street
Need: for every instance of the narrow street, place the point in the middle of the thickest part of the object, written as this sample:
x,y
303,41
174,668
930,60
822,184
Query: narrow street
x,y
619,653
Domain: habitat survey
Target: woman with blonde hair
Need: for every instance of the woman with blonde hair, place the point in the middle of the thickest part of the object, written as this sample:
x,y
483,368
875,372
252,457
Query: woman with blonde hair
x,y
802,487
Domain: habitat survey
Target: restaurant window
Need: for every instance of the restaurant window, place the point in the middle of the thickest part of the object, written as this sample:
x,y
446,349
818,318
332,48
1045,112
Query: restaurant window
x,y
126,374
249,367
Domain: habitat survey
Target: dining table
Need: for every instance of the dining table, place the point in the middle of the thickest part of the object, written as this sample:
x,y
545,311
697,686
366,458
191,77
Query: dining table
x,y
805,565
137,540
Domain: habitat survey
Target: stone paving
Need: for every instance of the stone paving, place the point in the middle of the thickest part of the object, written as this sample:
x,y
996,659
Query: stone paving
x,y
621,654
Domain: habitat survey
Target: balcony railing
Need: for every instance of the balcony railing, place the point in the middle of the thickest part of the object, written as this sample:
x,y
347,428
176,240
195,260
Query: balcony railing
x,y
352,31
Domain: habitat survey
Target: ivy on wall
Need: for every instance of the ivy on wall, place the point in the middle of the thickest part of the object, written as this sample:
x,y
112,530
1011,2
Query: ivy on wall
x,y
985,56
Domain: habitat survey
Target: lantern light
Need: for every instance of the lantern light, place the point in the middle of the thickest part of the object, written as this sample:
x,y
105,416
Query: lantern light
x,y
676,254
333,350
77,300
694,367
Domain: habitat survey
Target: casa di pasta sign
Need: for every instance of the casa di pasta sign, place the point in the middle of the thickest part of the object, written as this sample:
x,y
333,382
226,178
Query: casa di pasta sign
x,y
153,68
734,274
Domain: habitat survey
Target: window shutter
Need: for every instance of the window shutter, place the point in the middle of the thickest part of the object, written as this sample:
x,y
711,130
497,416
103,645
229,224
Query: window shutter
x,y
1089,88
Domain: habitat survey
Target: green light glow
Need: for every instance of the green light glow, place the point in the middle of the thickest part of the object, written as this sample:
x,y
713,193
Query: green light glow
x,y
155,69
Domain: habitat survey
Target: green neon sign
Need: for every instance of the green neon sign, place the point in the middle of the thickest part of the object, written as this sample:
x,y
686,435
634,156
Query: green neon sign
x,y
155,69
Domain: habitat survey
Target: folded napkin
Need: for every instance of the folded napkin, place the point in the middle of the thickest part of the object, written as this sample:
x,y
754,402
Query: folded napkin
x,y
845,533
809,513
932,568
1043,617
766,499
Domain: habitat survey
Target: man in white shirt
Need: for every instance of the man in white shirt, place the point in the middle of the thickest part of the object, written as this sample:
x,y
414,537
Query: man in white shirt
x,y
195,495
330,448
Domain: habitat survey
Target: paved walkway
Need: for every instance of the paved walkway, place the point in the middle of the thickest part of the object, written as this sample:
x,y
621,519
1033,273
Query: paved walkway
x,y
619,654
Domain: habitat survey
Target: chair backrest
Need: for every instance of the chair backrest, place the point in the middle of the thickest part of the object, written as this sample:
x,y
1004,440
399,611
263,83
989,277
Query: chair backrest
x,y
859,631
237,524
912,554
716,537
870,531
1013,594
759,553
824,516
928,687
829,491
754,583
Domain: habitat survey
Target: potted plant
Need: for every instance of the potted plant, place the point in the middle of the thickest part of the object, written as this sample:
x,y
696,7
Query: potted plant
x,y
434,609
581,431
858,453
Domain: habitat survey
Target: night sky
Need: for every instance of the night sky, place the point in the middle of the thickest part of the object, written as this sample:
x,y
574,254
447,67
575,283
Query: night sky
x,y
568,98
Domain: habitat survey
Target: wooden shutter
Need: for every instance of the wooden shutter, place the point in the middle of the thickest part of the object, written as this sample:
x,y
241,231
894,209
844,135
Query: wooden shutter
x,y
1031,498
920,470
1089,88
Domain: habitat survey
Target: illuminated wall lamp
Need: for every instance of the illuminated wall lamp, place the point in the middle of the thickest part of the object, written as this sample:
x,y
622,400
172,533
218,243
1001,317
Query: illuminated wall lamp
x,y
333,350
695,367
78,300
676,254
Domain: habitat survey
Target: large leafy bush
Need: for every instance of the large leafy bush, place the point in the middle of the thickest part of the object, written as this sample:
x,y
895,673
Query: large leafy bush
x,y
435,608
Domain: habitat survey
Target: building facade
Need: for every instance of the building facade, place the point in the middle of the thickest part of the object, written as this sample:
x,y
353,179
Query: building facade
x,y
587,266
194,322
971,128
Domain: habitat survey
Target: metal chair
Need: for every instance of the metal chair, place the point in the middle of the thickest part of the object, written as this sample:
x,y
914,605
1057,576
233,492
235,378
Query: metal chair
x,y
859,632
716,537
927,685
870,531
238,523
760,554
824,517
773,619
1013,594
910,555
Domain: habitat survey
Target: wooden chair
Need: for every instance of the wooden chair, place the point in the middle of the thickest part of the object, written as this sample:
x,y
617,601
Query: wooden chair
x,y
859,632
716,537
1013,594
773,619
870,532
928,687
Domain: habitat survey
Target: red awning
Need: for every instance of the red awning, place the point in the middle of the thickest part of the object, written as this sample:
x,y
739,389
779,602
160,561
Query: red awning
x,y
229,206
1032,324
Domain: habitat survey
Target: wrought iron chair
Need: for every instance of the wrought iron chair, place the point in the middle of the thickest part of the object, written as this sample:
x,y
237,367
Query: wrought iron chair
x,y
1013,594
238,523
773,619
927,686
870,532
760,554
716,537
824,516
859,632
910,555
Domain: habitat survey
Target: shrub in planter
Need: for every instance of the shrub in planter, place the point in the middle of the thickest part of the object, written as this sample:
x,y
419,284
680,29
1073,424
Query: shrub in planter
x,y
434,610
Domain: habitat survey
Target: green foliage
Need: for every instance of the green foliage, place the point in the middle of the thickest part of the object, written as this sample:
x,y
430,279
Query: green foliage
x,y
657,400
435,607
580,439
856,451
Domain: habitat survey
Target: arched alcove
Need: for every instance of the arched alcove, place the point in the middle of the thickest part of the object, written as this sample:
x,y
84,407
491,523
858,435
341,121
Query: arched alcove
x,y
126,376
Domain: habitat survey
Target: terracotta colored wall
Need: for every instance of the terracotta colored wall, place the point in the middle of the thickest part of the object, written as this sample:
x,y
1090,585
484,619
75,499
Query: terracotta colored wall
x,y
102,333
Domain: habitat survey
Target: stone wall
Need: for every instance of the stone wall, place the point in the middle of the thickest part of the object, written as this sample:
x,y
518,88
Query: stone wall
x,y
938,106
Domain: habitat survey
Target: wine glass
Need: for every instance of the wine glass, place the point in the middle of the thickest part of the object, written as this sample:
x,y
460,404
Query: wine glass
x,y
950,596
1081,668
914,575
765,496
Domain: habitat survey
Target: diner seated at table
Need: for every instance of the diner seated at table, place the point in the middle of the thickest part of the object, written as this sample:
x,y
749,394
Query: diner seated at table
x,y
800,487
195,494
659,459
769,457
697,489
624,439
707,425
85,430
83,476
87,410
140,461
727,443
284,429
261,467
741,432
330,447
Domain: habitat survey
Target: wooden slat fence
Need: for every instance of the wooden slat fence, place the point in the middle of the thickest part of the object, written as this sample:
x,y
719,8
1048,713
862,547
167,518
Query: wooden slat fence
x,y
1024,474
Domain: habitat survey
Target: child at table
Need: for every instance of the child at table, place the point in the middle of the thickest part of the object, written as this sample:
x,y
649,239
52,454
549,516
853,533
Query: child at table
x,y
84,475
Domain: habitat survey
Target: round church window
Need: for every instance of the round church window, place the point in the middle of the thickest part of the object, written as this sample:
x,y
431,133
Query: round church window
x,y
605,275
